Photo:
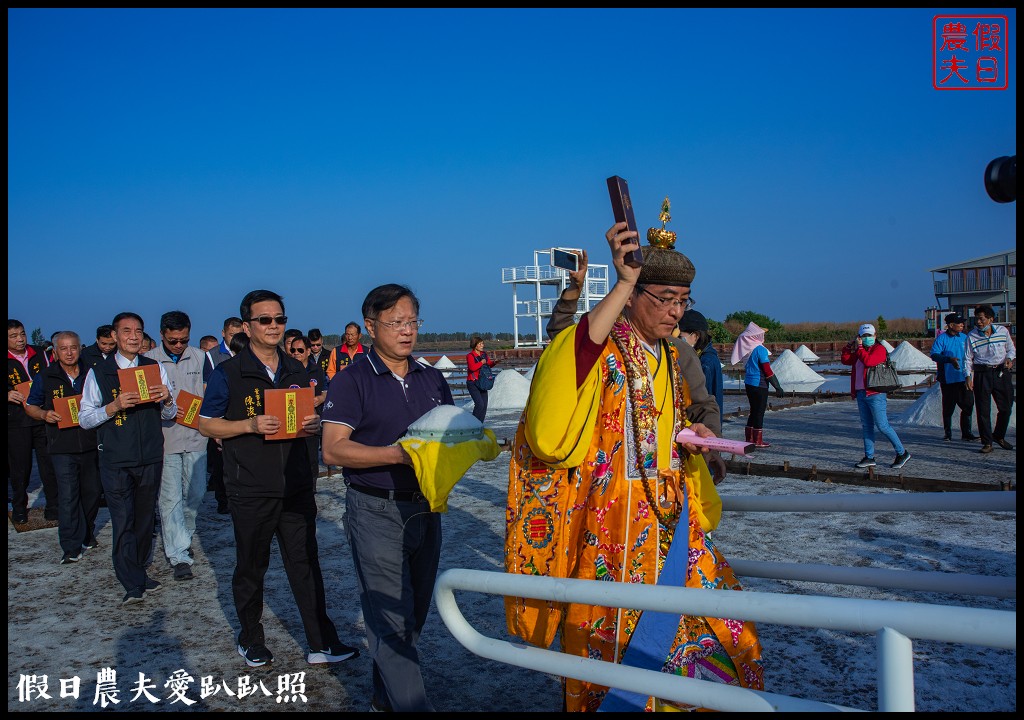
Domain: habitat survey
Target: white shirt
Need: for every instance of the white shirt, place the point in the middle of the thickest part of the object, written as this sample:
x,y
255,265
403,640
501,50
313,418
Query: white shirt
x,y
93,411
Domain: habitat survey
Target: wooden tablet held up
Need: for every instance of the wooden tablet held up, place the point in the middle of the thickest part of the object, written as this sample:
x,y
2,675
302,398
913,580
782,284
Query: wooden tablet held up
x,y
139,379
622,210
289,405
67,408
190,404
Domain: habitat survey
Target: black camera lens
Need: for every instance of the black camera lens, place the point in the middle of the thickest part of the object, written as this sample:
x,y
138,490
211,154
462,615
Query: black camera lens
x,y
1001,179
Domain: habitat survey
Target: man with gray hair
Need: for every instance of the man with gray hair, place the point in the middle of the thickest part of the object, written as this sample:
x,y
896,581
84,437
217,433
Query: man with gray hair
x,y
72,448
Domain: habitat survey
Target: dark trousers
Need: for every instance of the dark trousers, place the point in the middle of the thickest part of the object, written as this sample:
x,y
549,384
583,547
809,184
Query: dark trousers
x,y
956,395
292,520
479,401
215,464
758,399
992,384
78,477
21,441
131,494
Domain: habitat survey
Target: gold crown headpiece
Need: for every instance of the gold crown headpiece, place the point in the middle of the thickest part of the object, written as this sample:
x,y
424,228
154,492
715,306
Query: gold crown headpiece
x,y
660,237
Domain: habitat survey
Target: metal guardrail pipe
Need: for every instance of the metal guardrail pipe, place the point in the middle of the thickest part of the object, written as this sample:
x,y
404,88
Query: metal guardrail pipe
x,y
699,693
895,672
1001,501
967,626
972,626
952,583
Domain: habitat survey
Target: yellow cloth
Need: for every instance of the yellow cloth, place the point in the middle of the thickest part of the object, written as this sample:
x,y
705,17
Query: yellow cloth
x,y
439,465
560,419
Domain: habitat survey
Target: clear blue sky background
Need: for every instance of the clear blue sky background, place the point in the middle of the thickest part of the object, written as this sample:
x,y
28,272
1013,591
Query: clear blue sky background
x,y
176,159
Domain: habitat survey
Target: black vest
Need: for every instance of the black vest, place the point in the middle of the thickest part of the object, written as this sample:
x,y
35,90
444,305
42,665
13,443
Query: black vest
x,y
69,440
16,415
132,437
253,466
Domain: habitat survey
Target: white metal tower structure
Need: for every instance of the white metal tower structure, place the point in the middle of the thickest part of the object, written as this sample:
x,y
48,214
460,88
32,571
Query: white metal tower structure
x,y
540,285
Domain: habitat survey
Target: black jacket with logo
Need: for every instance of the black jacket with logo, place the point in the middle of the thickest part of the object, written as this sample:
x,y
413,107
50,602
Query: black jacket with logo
x,y
57,385
132,437
16,415
254,466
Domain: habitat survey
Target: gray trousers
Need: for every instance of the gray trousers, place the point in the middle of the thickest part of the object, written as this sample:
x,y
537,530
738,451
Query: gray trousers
x,y
396,548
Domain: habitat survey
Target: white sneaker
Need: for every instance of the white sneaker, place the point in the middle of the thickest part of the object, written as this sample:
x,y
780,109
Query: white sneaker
x,y
339,653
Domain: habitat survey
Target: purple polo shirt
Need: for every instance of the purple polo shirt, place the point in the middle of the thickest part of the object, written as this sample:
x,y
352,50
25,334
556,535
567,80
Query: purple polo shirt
x,y
380,407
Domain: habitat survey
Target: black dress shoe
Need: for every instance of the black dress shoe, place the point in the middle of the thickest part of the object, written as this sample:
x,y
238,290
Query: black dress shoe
x,y
19,518
985,449
1003,444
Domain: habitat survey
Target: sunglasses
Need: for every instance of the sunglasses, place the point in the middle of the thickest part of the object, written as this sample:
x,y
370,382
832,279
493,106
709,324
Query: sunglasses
x,y
298,351
267,319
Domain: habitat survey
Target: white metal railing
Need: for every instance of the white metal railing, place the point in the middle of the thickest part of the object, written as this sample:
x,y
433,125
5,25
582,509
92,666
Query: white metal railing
x,y
894,623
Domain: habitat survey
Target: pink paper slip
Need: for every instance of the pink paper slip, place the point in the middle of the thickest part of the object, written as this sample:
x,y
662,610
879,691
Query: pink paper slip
x,y
736,447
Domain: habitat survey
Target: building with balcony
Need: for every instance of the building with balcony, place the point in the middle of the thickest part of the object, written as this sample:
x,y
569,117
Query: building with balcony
x,y
991,280
535,290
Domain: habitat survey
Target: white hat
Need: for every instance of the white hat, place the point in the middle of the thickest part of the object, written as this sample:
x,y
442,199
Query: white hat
x,y
866,329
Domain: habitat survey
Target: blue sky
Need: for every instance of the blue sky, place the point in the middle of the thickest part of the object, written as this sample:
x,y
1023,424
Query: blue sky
x,y
176,159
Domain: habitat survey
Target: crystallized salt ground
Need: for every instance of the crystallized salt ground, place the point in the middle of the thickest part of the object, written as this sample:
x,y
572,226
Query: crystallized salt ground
x,y
510,391
908,357
927,412
447,423
791,369
804,353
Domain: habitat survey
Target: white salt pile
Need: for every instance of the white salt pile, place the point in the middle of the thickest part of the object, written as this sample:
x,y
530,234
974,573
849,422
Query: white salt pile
x,y
446,423
804,353
510,391
791,370
445,364
887,346
908,357
423,361
529,373
927,412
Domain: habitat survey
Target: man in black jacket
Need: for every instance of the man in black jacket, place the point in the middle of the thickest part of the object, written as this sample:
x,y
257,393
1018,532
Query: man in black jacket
x,y
104,345
72,449
131,451
25,434
271,484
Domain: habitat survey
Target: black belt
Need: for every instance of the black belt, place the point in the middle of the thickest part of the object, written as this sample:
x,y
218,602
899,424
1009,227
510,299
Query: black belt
x,y
397,495
985,368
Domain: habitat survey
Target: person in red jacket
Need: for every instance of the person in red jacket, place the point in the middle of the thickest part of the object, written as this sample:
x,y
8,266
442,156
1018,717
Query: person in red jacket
x,y
862,353
476,359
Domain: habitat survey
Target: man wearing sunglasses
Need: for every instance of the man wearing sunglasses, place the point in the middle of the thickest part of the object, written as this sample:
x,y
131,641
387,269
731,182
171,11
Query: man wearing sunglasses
x,y
316,349
271,484
183,479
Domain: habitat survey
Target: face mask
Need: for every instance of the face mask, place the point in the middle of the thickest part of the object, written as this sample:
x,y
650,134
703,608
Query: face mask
x,y
868,341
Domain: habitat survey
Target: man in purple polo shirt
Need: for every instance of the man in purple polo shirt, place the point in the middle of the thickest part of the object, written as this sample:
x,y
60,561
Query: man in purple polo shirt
x,y
395,538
